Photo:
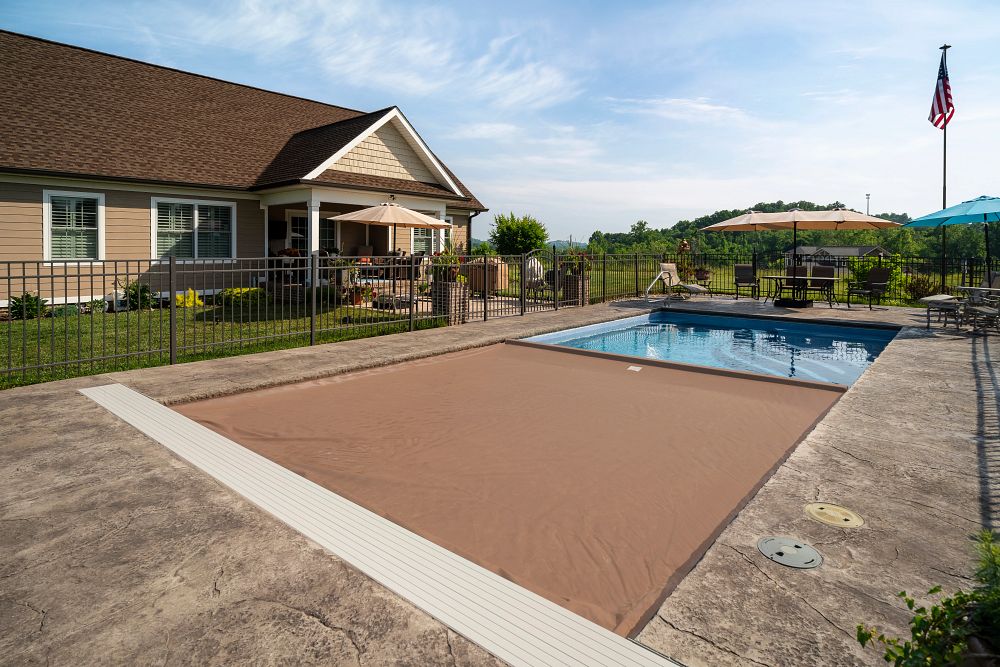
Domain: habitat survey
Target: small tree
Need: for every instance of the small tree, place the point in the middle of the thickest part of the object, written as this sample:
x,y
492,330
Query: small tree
x,y
514,235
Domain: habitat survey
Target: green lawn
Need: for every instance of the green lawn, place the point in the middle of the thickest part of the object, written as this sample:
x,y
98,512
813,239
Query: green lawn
x,y
76,343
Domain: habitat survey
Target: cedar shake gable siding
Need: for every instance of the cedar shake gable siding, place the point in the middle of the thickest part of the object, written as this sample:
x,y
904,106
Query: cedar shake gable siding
x,y
72,111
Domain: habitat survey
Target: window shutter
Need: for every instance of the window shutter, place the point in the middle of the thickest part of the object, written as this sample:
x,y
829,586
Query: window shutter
x,y
73,227
423,240
174,230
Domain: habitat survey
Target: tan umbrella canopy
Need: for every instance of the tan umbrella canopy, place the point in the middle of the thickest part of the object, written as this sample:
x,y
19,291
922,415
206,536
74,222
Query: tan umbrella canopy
x,y
838,218
796,219
393,215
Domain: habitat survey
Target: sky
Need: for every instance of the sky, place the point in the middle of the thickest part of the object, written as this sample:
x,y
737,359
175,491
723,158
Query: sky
x,y
592,115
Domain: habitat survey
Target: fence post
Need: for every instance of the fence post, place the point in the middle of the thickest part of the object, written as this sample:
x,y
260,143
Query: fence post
x,y
604,277
313,280
524,271
172,282
637,274
556,279
486,286
413,300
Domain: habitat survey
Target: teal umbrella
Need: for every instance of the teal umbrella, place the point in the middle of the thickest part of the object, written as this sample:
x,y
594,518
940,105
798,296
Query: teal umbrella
x,y
979,210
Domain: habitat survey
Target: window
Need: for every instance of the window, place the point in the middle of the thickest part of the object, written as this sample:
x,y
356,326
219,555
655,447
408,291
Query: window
x,y
423,240
431,240
298,232
298,226
73,225
193,229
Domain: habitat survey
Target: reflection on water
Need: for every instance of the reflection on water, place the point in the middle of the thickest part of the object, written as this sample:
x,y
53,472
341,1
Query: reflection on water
x,y
826,353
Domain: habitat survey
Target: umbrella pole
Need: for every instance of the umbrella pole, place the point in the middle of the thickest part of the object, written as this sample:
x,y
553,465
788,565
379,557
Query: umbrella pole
x,y
986,230
944,261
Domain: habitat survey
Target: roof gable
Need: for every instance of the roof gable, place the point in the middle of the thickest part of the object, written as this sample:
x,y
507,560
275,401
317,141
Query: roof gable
x,y
388,148
385,152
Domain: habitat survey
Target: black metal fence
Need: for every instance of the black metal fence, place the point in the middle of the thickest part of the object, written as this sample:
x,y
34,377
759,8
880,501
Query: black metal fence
x,y
62,319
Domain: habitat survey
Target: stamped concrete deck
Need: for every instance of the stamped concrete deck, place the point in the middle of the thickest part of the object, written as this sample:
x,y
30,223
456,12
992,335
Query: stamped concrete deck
x,y
112,550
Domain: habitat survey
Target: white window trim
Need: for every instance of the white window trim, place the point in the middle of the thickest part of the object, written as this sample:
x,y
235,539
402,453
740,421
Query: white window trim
x,y
47,196
295,213
155,201
437,235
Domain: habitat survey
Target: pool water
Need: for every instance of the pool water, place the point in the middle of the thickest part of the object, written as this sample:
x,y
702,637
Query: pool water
x,y
806,351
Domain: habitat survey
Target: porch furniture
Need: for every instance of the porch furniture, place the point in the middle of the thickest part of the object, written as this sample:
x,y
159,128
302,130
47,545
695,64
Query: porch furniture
x,y
795,283
983,315
873,288
946,306
671,279
820,282
745,277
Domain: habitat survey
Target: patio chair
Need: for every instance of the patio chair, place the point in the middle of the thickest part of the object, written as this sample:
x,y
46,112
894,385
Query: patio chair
x,y
873,288
823,287
671,279
744,276
984,314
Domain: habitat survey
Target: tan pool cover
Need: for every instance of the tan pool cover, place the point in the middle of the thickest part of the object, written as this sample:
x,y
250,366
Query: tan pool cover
x,y
592,485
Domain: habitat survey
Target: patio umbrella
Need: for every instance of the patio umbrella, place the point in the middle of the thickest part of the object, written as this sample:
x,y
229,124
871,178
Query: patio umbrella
x,y
393,215
981,209
796,219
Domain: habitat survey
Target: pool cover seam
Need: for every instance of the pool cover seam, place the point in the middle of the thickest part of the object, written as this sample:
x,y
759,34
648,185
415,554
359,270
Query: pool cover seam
x,y
510,602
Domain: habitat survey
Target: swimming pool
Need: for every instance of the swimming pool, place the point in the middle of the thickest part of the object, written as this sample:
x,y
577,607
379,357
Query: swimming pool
x,y
804,350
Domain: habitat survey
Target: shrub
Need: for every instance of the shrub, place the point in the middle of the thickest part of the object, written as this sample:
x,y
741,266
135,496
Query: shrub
x,y
27,306
240,296
574,261
189,299
97,306
513,235
483,249
921,285
861,267
940,635
138,296
67,310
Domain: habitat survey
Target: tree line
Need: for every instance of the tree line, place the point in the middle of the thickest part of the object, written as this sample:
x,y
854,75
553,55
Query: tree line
x,y
512,235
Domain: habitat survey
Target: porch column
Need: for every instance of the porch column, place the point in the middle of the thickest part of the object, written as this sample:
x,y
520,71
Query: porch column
x,y
267,234
313,227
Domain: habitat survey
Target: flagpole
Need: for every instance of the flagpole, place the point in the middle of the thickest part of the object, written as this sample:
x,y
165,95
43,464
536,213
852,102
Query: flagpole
x,y
944,178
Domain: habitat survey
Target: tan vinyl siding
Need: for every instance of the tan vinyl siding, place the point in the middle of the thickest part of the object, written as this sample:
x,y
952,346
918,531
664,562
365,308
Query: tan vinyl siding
x,y
385,153
460,232
126,237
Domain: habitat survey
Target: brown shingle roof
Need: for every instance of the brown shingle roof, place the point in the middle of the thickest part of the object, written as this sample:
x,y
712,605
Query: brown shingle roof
x,y
70,110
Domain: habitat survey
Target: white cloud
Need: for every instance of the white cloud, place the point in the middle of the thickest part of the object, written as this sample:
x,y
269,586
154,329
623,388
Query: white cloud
x,y
416,50
489,131
691,109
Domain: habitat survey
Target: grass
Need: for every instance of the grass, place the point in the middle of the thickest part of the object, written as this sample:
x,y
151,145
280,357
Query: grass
x,y
84,344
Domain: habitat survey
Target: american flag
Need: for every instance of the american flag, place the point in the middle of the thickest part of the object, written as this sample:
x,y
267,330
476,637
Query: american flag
x,y
942,107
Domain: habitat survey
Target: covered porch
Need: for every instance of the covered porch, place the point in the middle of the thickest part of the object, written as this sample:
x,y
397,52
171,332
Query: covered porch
x,y
301,220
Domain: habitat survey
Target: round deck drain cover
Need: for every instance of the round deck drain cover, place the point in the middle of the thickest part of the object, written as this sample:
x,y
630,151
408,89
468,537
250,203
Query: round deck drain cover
x,y
834,515
789,551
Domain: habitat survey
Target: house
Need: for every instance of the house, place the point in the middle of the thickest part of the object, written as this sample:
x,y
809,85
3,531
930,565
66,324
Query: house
x,y
106,158
833,255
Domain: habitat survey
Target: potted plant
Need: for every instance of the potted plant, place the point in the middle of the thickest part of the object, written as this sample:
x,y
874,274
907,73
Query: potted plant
x,y
702,273
575,267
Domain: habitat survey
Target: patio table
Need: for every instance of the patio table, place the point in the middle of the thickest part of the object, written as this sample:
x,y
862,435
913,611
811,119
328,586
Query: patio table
x,y
797,285
946,306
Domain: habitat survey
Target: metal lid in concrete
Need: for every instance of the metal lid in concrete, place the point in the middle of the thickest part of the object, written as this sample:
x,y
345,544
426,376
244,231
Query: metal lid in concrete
x,y
790,551
834,515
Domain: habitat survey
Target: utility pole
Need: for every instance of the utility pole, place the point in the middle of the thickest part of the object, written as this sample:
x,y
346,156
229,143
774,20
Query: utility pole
x,y
868,201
